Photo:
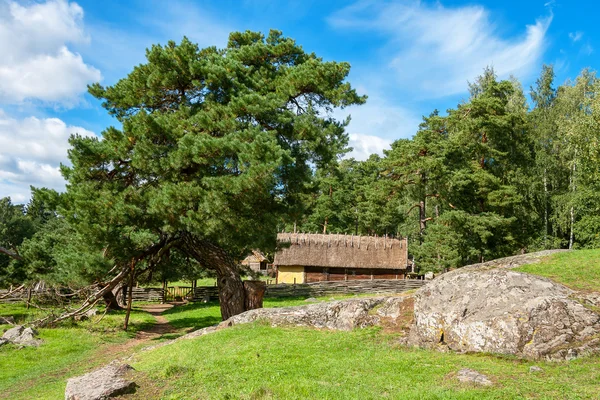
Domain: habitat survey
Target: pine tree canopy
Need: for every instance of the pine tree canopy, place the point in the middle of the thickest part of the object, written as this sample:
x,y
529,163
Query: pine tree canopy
x,y
218,143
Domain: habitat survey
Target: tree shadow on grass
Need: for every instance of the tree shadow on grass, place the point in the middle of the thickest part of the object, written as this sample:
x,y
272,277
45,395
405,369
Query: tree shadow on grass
x,y
191,307
194,323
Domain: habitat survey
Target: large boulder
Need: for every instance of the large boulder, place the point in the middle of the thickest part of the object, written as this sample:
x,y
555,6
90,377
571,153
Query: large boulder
x,y
498,310
104,383
339,315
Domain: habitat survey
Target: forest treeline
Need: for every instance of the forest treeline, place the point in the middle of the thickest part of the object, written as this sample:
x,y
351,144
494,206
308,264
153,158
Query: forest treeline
x,y
212,161
495,176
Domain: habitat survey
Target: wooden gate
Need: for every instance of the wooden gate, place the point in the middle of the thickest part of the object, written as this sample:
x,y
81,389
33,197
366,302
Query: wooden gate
x,y
179,293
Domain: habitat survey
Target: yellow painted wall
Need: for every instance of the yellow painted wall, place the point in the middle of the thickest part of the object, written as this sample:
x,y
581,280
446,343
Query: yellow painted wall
x,y
287,273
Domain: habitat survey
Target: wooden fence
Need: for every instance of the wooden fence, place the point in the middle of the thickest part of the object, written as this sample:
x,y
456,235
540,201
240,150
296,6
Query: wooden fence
x,y
145,294
316,289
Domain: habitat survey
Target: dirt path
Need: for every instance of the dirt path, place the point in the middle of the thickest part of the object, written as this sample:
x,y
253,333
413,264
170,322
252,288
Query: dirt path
x,y
161,327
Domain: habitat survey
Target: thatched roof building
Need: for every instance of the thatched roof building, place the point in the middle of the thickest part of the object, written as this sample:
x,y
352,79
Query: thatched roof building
x,y
256,261
317,257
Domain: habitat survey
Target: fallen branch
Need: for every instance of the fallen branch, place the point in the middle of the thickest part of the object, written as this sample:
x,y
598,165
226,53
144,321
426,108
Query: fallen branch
x,y
11,292
90,302
10,253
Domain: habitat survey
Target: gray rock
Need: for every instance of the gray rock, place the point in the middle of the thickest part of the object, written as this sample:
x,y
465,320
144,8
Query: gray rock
x,y
102,384
534,369
22,336
3,342
471,376
339,315
7,321
87,315
497,310
429,276
311,300
13,333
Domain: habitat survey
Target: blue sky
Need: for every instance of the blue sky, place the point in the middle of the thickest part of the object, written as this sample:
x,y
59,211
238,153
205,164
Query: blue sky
x,y
409,57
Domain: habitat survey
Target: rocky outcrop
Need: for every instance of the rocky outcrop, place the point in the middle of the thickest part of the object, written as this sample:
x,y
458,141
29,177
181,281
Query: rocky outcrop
x,y
339,315
21,336
104,383
497,310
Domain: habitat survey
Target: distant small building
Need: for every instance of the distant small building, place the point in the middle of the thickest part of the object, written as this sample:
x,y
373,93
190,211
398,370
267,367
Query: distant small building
x,y
305,258
256,261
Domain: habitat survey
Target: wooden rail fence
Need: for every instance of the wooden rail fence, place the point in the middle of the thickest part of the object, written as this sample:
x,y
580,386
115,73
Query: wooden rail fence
x,y
316,289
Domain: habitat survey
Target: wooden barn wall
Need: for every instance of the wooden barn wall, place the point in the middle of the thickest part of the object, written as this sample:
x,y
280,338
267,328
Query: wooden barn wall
x,y
320,274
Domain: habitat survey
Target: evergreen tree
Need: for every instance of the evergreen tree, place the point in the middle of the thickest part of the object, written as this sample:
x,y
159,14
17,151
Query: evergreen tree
x,y
216,150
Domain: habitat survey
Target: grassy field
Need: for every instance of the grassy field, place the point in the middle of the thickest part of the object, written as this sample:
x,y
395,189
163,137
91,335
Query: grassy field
x,y
260,362
579,269
72,348
256,361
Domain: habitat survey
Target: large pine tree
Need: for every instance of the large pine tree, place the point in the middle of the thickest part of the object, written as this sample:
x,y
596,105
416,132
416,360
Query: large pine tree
x,y
216,149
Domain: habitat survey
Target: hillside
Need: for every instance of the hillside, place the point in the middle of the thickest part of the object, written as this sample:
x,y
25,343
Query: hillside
x,y
256,361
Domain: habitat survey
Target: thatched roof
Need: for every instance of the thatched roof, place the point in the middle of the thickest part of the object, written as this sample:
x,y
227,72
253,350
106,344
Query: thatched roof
x,y
255,257
343,251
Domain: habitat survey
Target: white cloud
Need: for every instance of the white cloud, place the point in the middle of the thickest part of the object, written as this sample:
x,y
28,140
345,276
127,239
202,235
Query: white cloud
x,y
36,63
575,36
374,125
365,145
31,150
587,49
435,50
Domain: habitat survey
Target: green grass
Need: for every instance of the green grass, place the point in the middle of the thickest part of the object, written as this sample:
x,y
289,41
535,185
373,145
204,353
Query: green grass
x,y
578,269
259,362
68,350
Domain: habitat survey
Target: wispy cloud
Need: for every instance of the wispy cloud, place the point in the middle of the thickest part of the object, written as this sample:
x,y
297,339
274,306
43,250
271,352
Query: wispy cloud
x,y
587,49
31,150
435,50
37,63
376,124
575,36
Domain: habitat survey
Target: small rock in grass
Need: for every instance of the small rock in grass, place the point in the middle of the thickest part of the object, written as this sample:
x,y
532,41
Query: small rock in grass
x,y
104,383
311,300
471,376
87,315
7,321
22,336
534,368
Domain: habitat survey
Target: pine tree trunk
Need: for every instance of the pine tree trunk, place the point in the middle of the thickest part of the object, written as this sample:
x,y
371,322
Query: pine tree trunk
x,y
111,301
129,300
231,291
422,219
545,209
573,186
229,282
